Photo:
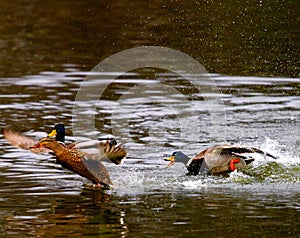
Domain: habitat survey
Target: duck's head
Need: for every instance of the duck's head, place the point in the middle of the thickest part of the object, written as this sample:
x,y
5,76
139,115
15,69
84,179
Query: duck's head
x,y
59,132
176,157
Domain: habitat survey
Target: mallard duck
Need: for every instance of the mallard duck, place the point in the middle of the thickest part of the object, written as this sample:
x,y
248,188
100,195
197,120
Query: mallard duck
x,y
113,152
82,157
82,163
220,159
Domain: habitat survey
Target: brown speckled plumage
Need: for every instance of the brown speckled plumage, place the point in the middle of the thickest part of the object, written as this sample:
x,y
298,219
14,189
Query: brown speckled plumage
x,y
216,160
78,161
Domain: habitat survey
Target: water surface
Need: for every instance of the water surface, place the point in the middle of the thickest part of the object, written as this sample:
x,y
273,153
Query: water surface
x,y
250,50
38,196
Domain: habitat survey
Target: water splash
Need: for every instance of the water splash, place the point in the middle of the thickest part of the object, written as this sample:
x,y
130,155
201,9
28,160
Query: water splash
x,y
285,169
143,177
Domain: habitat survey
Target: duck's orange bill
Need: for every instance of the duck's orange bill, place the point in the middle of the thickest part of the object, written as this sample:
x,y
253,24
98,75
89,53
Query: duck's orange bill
x,y
232,162
172,161
52,134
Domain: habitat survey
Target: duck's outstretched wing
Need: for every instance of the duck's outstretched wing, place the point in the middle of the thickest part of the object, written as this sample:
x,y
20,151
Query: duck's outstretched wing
x,y
113,151
240,150
106,150
21,141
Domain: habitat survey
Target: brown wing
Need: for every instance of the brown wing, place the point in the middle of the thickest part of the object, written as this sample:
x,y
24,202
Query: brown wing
x,y
85,165
97,169
114,152
20,141
217,158
211,150
70,146
218,162
244,149
104,151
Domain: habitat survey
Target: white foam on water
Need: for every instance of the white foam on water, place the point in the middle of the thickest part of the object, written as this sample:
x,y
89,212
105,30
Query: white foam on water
x,y
285,155
190,184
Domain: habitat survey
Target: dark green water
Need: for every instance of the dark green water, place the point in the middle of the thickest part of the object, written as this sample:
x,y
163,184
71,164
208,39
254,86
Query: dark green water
x,y
227,37
251,51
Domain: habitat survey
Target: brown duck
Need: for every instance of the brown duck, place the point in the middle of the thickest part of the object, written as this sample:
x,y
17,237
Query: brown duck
x,y
109,147
82,157
115,153
216,160
80,162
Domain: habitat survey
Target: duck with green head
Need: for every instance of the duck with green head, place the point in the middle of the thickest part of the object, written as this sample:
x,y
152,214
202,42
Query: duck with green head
x,y
111,149
216,160
59,132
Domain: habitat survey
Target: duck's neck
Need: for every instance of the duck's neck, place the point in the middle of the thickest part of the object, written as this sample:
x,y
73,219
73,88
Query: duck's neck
x,y
60,138
184,159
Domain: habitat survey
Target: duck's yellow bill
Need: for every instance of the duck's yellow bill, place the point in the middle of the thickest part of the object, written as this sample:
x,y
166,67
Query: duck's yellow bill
x,y
52,134
172,161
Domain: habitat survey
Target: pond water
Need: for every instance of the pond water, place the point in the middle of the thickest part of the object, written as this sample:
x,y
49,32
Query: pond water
x,y
251,98
39,198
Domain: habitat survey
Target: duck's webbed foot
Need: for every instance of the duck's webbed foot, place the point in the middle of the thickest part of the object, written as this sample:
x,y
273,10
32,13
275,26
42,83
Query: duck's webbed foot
x,y
232,162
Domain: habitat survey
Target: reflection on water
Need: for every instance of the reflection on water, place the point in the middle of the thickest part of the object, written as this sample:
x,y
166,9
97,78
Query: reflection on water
x,y
39,198
88,214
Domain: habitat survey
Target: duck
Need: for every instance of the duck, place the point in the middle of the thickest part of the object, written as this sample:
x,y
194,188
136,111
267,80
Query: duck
x,y
83,158
114,152
82,163
217,160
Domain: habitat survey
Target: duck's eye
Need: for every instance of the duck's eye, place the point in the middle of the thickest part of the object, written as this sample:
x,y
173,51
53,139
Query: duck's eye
x,y
174,153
